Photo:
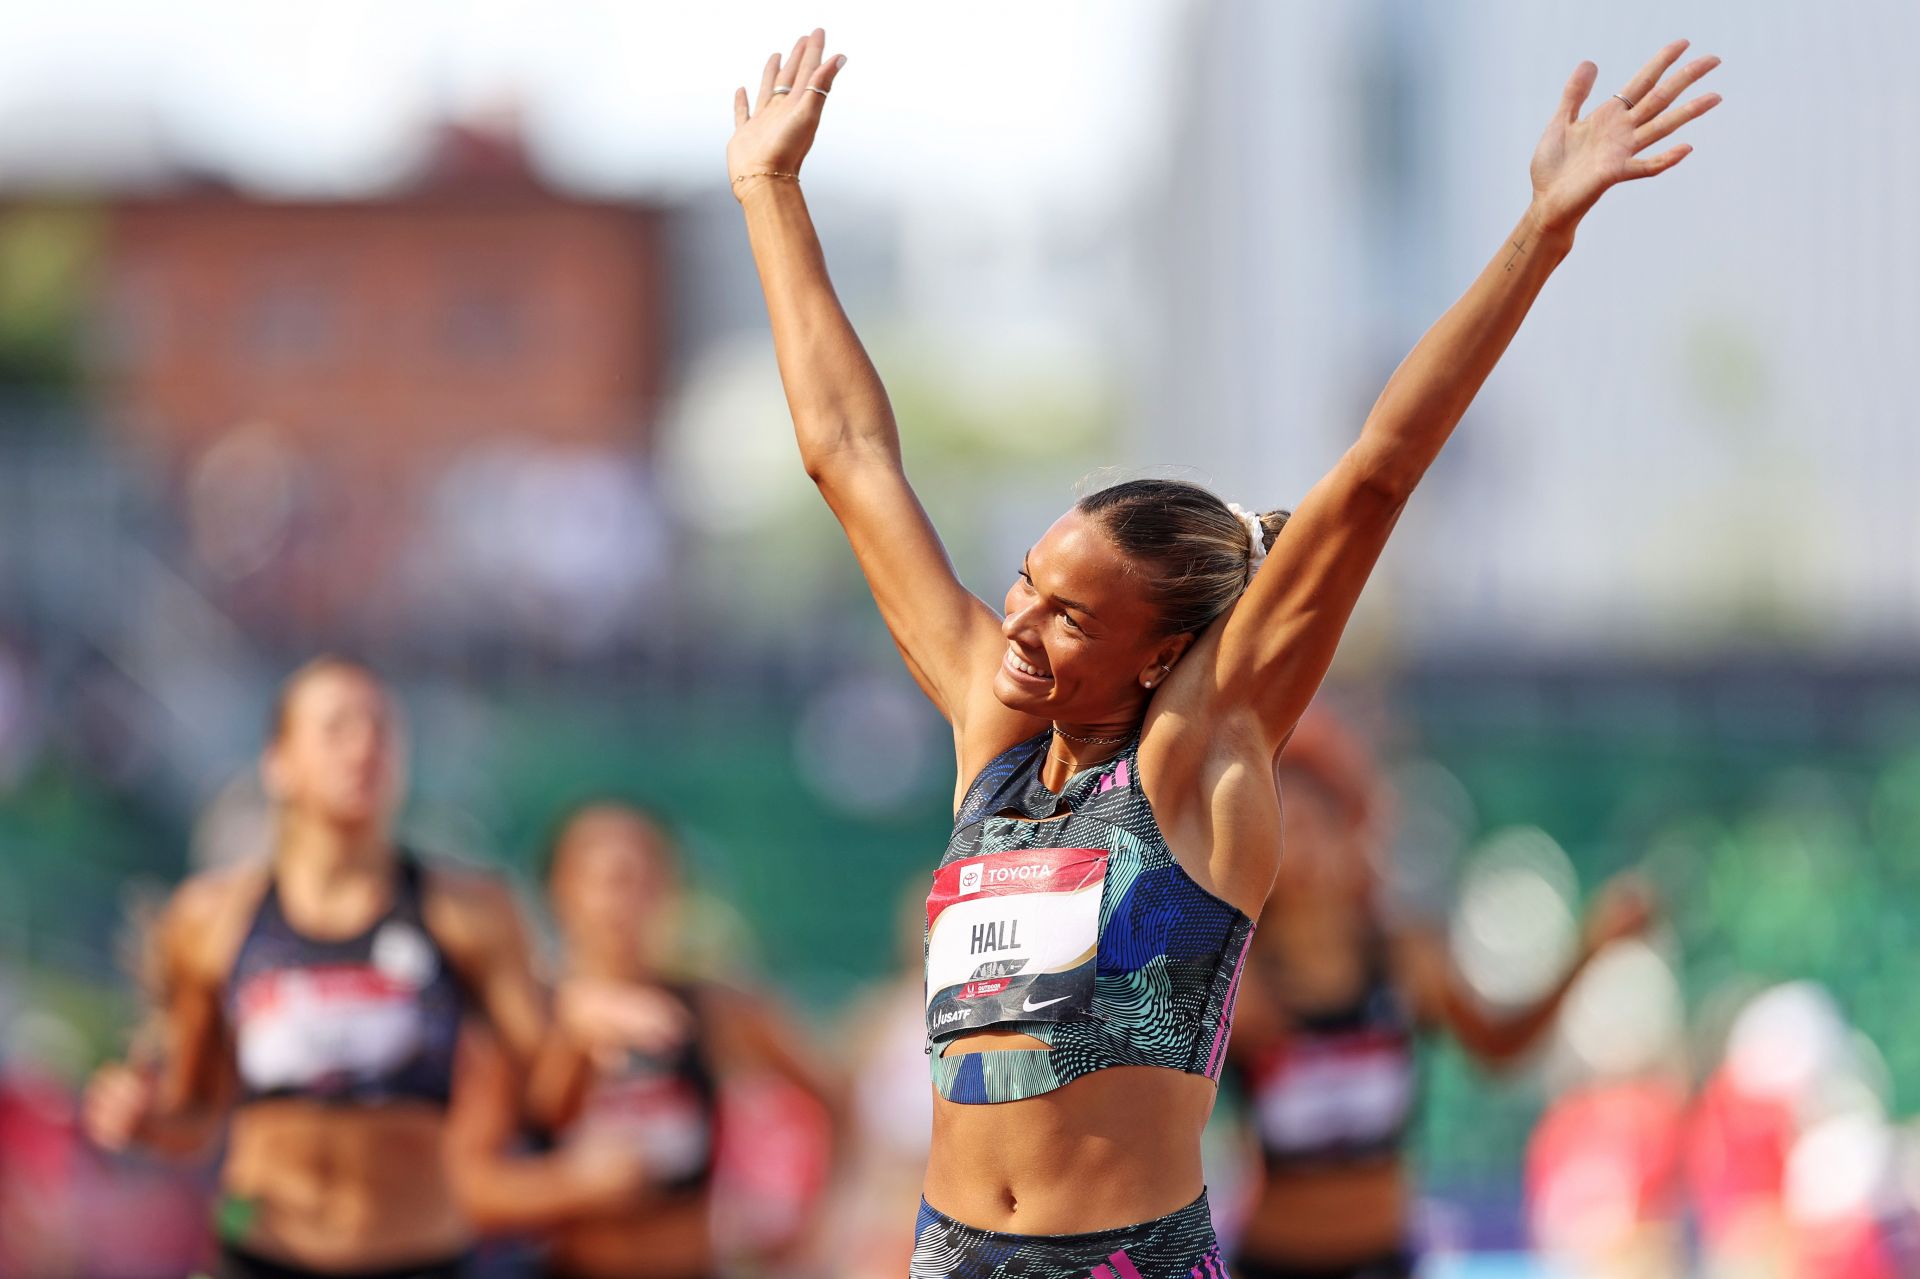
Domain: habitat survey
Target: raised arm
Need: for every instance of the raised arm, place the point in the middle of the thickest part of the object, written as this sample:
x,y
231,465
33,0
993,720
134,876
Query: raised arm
x,y
1623,909
1279,640
848,440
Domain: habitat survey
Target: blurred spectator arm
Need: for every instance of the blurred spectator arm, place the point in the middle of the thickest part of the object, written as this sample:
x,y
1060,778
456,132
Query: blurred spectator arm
x,y
557,1081
1497,1039
1623,908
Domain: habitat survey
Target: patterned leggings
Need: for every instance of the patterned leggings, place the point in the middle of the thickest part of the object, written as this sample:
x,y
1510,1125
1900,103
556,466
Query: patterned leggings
x,y
1179,1245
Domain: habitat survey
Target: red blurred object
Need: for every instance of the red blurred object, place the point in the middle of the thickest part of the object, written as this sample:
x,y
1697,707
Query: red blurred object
x,y
68,1209
1604,1163
1737,1149
39,1153
774,1159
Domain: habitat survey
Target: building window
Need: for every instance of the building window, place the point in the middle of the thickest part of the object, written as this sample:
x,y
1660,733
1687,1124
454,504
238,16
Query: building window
x,y
483,327
290,324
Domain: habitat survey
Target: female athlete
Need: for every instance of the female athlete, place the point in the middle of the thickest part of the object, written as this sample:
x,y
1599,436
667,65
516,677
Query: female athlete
x,y
1116,721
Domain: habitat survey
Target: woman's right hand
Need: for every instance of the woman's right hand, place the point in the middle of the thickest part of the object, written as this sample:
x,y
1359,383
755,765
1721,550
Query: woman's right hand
x,y
775,136
119,1101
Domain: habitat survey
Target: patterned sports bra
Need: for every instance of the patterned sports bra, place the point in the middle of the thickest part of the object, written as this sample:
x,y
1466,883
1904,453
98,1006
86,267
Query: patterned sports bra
x,y
1066,917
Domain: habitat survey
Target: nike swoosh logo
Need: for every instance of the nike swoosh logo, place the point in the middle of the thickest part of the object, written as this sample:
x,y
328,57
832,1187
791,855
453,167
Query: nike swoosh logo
x,y
1029,1006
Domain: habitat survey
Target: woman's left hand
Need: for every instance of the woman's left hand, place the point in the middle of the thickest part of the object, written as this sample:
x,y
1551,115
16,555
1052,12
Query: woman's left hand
x,y
1577,160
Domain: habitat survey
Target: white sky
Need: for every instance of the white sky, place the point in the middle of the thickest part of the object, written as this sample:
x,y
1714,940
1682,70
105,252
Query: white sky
x,y
1058,99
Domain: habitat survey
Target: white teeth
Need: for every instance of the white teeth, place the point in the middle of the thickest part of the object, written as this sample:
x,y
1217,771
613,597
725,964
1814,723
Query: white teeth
x,y
1025,668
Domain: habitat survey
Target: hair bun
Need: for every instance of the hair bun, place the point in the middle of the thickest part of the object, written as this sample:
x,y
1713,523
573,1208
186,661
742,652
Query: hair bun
x,y
1256,536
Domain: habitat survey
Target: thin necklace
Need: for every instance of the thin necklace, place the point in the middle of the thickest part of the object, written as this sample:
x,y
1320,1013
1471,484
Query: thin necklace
x,y
1074,766
1091,741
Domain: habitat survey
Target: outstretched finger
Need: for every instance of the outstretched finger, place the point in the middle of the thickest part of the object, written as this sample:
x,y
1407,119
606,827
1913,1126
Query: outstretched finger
x,y
822,82
810,55
1659,164
1648,134
1669,90
1646,77
1579,85
739,106
783,79
767,73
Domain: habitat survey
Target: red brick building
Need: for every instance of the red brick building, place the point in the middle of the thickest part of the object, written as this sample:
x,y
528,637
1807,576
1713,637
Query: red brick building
x,y
475,304
380,415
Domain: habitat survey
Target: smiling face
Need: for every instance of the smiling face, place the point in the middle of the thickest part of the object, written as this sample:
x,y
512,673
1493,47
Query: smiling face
x,y
1083,638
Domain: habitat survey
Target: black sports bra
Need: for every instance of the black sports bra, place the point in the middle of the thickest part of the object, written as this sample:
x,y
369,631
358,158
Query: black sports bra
x,y
1342,1085
665,1105
358,1020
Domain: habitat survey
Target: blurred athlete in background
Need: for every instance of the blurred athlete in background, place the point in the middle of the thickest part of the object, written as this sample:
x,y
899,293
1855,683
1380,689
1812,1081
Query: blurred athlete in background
x,y
1333,998
621,1186
1117,717
312,1000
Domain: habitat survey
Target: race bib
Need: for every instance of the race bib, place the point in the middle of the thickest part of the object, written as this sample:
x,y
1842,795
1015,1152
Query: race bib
x,y
1012,937
661,1116
1350,1090
316,1027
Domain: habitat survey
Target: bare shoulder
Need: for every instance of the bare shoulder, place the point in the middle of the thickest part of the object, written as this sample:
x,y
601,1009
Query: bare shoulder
x,y
469,908
1180,726
207,918
751,1030
454,884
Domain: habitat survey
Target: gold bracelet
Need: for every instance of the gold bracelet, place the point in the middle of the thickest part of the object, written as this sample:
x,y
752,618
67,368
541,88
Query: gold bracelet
x,y
767,173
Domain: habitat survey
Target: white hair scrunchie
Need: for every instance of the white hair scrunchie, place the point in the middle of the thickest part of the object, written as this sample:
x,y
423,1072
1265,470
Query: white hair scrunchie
x,y
1256,537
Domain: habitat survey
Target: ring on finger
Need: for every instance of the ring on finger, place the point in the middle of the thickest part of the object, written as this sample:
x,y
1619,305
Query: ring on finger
x,y
814,88
1623,97
779,89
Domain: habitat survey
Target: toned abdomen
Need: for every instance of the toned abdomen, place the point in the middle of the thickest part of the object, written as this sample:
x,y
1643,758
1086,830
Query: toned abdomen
x,y
342,1187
